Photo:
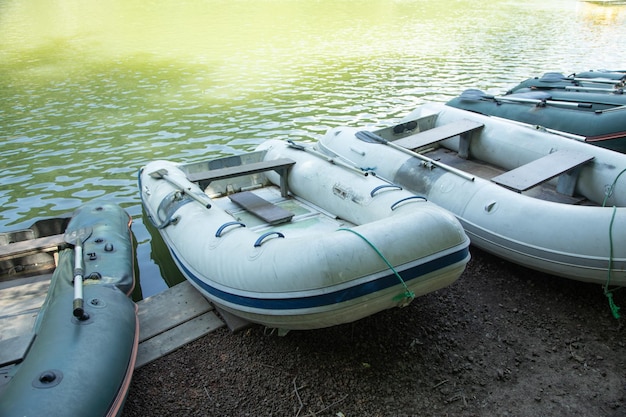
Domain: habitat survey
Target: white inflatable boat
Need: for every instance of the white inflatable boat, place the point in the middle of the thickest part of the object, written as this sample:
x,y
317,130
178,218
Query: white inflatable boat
x,y
290,239
541,200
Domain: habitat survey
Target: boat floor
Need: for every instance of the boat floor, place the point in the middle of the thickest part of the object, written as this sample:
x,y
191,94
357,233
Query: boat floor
x,y
306,214
545,191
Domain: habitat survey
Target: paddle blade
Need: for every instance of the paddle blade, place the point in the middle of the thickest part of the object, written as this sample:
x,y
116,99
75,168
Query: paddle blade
x,y
370,137
159,174
78,236
473,94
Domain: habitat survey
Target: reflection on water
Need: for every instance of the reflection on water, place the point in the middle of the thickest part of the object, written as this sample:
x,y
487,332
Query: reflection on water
x,y
92,90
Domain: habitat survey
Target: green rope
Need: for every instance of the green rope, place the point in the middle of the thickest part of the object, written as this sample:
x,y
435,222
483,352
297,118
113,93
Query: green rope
x,y
607,292
408,295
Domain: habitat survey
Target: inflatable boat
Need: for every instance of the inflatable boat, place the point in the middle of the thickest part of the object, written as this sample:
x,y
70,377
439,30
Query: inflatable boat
x,y
291,239
591,81
537,199
81,352
599,119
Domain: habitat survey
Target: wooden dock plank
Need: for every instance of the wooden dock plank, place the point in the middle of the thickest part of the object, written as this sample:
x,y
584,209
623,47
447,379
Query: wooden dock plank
x,y
26,247
20,301
164,343
169,308
14,349
235,323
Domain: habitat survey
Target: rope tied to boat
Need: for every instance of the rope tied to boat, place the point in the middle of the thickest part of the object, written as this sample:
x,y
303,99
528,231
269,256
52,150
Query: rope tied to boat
x,y
609,292
403,299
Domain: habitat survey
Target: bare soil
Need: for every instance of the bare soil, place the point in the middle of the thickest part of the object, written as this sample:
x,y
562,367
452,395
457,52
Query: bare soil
x,y
502,341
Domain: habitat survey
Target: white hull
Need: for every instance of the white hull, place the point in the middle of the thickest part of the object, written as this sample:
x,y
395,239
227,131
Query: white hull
x,y
309,272
572,241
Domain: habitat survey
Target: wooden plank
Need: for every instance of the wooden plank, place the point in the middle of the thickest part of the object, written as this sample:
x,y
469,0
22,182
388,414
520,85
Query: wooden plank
x,y
239,170
14,350
169,308
541,170
234,323
26,247
261,208
20,301
437,134
17,325
173,339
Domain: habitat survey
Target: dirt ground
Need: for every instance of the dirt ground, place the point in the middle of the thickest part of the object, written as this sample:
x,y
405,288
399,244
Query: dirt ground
x,y
502,341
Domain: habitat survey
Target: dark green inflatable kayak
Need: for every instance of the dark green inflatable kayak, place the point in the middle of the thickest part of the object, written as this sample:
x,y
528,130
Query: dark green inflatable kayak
x,y
591,117
82,356
598,81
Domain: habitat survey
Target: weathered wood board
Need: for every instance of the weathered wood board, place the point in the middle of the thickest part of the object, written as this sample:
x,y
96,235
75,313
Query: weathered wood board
x,y
171,319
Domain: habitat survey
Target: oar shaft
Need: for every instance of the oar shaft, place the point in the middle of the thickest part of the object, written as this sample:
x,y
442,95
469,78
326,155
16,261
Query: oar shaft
x,y
327,158
432,161
185,188
597,80
593,89
78,305
538,101
537,127
612,109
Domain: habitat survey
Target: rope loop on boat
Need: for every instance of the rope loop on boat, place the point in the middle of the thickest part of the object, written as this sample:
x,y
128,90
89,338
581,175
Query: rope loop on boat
x,y
609,292
408,295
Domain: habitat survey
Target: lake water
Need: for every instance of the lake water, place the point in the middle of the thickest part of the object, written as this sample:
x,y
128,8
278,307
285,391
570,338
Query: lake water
x,y
90,90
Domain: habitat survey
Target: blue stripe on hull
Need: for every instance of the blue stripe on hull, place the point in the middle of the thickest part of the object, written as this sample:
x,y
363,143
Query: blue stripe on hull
x,y
267,302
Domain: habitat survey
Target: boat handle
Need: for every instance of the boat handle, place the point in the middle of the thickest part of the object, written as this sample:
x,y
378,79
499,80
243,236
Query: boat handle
x,y
225,225
394,205
259,241
380,187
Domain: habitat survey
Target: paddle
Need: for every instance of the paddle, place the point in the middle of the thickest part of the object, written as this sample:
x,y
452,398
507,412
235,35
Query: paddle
x,y
543,102
77,238
162,174
598,80
543,128
372,137
594,89
540,99
333,161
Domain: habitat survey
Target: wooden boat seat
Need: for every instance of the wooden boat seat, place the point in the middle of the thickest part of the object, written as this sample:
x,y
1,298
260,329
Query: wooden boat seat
x,y
463,128
565,164
271,213
281,166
